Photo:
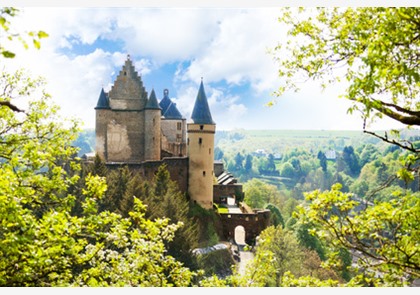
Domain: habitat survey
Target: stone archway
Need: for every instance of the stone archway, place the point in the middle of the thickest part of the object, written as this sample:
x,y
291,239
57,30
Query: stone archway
x,y
239,235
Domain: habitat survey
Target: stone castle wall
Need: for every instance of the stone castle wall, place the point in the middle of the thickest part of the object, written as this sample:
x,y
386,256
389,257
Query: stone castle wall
x,y
253,223
177,167
125,136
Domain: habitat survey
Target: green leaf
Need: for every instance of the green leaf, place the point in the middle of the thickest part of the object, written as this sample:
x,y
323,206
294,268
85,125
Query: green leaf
x,y
8,54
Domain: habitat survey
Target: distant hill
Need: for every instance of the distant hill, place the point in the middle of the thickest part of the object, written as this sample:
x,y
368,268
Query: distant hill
x,y
273,141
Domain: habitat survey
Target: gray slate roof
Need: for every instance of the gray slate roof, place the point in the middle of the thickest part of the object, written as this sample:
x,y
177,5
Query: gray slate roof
x,y
169,109
103,102
152,102
172,112
201,112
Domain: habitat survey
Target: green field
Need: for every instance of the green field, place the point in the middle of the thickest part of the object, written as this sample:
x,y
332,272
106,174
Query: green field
x,y
281,141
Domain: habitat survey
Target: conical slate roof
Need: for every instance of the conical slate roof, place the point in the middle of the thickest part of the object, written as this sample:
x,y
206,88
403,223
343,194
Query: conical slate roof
x,y
103,102
201,112
152,102
169,109
165,102
172,112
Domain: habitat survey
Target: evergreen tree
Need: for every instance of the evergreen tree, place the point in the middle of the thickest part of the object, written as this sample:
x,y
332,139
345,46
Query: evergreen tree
x,y
248,163
218,153
271,165
322,161
117,181
98,167
162,179
351,160
239,159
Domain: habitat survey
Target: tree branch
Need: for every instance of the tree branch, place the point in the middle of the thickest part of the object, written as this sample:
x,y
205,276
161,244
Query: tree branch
x,y
11,106
393,141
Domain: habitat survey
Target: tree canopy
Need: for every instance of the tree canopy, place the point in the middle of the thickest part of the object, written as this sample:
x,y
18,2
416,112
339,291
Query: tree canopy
x,y
374,50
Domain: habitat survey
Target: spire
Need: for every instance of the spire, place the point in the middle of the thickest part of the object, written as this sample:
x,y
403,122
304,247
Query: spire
x,y
201,112
103,102
152,103
165,102
169,109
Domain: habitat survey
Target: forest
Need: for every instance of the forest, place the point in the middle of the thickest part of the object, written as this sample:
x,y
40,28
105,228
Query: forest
x,y
345,205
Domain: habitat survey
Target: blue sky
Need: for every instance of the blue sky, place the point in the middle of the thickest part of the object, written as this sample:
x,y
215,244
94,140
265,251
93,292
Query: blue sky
x,y
174,47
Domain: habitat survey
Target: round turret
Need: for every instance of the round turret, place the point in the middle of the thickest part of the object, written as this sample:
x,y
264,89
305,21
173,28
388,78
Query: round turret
x,y
200,147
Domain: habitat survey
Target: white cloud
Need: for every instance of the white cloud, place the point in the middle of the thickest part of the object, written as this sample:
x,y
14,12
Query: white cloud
x,y
166,35
226,110
239,53
217,44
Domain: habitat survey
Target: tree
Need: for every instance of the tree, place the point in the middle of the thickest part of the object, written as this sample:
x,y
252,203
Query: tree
x,y
384,237
7,33
42,243
218,153
258,193
239,159
374,50
117,183
271,165
322,161
162,180
351,161
248,163
287,170
275,216
279,256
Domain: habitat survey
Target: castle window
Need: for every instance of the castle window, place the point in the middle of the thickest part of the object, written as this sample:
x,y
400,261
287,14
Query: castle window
x,y
188,141
209,151
125,73
154,122
178,138
204,173
179,126
201,127
200,140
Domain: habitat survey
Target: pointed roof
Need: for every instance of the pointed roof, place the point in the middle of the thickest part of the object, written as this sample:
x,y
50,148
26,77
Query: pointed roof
x,y
172,112
201,112
169,109
152,102
103,102
165,102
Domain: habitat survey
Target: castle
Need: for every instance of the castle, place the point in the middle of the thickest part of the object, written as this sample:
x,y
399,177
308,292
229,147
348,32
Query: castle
x,y
134,129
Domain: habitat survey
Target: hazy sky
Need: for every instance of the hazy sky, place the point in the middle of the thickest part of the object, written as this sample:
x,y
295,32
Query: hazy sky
x,y
174,47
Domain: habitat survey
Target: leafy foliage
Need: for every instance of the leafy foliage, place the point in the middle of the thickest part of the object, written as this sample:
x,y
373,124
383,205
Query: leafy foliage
x,y
42,243
9,35
384,237
375,46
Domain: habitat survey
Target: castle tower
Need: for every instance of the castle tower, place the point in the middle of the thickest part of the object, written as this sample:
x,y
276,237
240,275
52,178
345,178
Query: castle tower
x,y
174,128
102,110
200,147
120,118
152,135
